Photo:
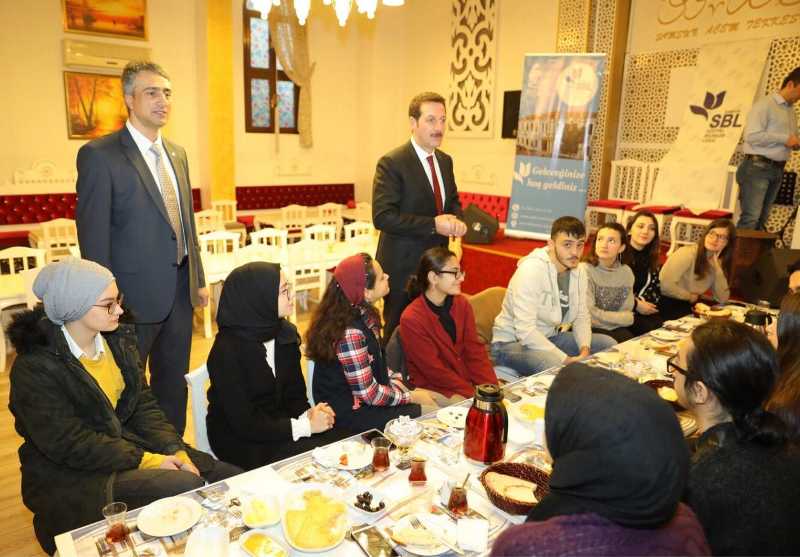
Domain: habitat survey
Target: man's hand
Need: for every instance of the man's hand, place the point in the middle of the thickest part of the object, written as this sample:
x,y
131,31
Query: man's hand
x,y
449,225
202,293
793,142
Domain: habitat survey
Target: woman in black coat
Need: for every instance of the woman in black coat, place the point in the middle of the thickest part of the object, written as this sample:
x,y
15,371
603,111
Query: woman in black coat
x,y
258,412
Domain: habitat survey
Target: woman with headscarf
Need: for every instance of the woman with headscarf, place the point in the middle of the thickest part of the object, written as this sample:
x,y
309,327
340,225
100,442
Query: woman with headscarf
x,y
344,340
92,430
620,466
446,359
744,482
258,412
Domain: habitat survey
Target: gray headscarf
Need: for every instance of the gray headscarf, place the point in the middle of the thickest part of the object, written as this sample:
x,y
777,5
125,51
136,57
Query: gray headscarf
x,y
68,289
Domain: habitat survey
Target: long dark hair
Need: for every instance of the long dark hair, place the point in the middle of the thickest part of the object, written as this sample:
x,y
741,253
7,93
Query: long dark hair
x,y
785,399
434,259
651,250
333,315
740,366
701,264
591,256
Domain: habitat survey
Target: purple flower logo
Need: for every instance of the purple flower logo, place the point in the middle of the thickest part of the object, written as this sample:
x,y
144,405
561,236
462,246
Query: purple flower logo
x,y
709,103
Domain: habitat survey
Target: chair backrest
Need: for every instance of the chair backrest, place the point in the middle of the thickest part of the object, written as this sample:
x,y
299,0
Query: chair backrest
x,y
310,381
58,235
18,259
28,276
218,242
327,210
730,196
272,237
357,229
395,357
197,380
227,208
629,180
208,221
293,213
320,233
486,306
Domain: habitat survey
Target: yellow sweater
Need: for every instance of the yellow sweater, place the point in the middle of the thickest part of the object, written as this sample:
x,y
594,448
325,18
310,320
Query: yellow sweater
x,y
106,372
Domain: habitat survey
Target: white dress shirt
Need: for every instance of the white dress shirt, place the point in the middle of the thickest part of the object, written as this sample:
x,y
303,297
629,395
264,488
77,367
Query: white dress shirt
x,y
301,426
770,123
77,351
423,157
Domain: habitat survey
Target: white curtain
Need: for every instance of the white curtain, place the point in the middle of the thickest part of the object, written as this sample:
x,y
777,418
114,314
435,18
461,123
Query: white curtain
x,y
291,47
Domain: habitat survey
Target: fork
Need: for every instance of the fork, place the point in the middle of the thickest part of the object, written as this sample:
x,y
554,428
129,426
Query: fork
x,y
417,525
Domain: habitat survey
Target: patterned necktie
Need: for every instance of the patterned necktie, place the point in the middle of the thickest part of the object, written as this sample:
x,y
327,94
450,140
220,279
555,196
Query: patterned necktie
x,y
437,192
170,200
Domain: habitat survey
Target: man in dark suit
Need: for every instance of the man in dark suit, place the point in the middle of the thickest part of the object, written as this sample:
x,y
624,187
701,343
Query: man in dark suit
x,y
414,202
135,217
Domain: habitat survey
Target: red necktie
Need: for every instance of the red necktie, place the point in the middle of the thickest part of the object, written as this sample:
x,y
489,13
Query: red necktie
x,y
437,192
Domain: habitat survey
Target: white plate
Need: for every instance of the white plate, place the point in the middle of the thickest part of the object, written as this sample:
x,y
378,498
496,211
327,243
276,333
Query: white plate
x,y
377,497
269,501
437,524
296,501
208,541
358,454
453,416
169,516
278,549
516,409
666,336
609,358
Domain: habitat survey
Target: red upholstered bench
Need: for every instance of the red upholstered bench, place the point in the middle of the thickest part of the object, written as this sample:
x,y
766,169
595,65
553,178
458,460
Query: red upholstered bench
x,y
495,205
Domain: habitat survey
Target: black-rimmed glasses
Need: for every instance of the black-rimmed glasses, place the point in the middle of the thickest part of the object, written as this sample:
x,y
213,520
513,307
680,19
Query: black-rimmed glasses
x,y
112,306
457,274
672,367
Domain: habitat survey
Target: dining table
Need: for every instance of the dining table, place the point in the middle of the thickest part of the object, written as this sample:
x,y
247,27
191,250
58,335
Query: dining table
x,y
343,470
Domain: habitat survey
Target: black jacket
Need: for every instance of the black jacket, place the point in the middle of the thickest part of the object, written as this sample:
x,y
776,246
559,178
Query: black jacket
x,y
74,441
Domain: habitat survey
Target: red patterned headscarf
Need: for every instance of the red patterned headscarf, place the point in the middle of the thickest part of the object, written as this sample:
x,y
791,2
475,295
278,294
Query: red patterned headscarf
x,y
352,278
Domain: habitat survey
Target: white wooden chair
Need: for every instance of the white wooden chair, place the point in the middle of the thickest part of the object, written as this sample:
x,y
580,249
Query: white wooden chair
x,y
660,212
321,233
364,211
294,218
197,380
356,231
304,277
628,187
330,214
13,263
685,224
227,208
58,235
267,244
208,221
272,237
219,252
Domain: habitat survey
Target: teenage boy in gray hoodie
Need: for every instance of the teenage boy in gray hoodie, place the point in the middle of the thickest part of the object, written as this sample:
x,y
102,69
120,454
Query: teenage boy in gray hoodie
x,y
545,320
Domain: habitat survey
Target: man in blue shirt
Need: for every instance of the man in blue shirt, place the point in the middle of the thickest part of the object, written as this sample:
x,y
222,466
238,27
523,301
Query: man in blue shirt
x,y
769,137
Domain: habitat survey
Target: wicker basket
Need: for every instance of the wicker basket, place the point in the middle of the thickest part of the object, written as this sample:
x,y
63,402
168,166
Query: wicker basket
x,y
518,470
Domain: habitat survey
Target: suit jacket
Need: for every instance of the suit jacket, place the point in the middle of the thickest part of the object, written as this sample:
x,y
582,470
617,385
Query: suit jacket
x,y
403,209
123,223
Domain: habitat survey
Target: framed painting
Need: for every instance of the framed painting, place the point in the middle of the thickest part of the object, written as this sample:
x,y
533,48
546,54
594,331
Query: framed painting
x,y
116,18
95,104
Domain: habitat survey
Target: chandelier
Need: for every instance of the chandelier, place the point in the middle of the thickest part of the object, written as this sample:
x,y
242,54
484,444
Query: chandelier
x,y
341,7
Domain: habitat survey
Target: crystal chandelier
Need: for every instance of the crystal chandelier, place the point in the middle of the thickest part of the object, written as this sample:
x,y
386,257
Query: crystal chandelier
x,y
341,7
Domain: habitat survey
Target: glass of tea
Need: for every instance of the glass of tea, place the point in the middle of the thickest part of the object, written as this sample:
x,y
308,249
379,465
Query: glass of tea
x,y
115,513
417,473
457,503
380,453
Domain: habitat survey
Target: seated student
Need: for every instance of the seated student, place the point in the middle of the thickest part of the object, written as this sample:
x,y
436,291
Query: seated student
x,y
785,398
610,287
619,468
744,482
344,340
258,411
693,269
544,321
92,430
445,357
642,257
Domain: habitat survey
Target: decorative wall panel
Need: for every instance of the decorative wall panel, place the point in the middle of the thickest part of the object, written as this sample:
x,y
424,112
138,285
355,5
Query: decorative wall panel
x,y
573,25
473,28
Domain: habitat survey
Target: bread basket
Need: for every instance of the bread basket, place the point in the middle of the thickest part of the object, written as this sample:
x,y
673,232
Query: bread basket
x,y
518,470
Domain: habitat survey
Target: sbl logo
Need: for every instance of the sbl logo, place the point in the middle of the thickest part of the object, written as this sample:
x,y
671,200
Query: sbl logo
x,y
712,102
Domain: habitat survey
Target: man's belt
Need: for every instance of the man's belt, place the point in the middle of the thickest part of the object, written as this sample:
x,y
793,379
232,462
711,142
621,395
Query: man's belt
x,y
762,158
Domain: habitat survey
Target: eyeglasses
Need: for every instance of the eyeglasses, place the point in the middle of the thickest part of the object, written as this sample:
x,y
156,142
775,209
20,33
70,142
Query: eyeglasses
x,y
111,307
286,291
672,367
715,236
457,274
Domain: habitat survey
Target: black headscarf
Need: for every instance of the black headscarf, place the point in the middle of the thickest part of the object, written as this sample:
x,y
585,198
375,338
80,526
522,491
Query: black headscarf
x,y
617,450
248,307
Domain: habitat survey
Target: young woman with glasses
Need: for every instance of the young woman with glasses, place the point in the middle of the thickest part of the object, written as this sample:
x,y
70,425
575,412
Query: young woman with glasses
x,y
692,270
344,341
258,411
445,357
744,482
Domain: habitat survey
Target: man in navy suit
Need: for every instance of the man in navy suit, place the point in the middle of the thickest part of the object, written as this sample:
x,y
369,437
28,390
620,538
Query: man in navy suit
x,y
135,217
414,202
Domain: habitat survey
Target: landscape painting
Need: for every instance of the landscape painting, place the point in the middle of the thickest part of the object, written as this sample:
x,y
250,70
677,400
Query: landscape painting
x,y
95,105
117,18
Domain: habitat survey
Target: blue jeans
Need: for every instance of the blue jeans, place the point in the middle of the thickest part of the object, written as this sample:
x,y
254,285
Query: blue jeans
x,y
526,361
759,183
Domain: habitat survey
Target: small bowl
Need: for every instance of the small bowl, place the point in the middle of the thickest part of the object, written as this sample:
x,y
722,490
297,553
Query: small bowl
x,y
518,470
657,384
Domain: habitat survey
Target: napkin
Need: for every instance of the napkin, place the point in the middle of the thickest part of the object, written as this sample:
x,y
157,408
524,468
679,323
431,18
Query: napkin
x,y
473,534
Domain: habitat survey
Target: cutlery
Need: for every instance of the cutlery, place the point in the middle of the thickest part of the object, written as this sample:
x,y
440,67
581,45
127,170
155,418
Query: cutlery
x,y
416,524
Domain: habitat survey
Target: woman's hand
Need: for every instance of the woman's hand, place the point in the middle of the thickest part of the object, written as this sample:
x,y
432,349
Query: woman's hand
x,y
645,308
321,417
173,462
693,298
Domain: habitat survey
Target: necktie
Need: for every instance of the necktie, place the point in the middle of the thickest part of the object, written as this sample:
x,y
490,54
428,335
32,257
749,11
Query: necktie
x,y
170,200
437,192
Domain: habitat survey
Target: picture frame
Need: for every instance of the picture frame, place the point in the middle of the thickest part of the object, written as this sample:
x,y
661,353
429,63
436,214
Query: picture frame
x,y
95,104
126,19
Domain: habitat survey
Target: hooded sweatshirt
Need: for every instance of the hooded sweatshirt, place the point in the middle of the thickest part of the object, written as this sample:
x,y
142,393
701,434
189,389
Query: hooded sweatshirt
x,y
531,311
